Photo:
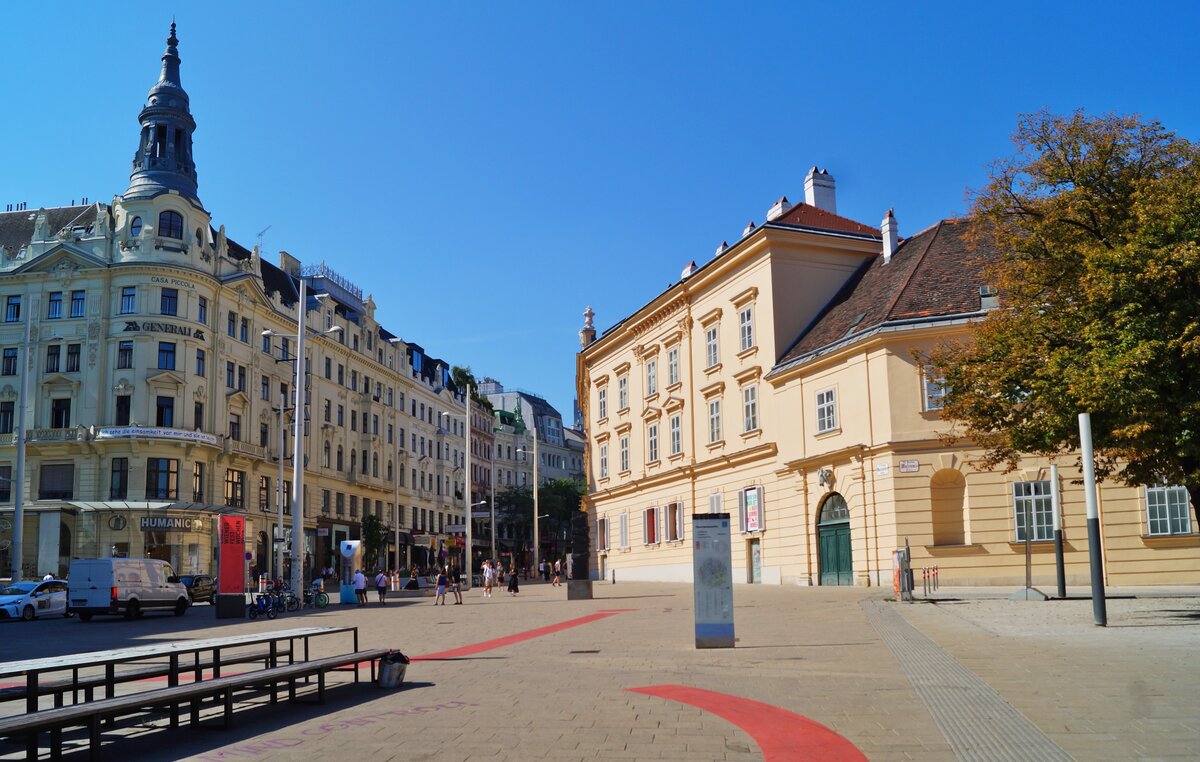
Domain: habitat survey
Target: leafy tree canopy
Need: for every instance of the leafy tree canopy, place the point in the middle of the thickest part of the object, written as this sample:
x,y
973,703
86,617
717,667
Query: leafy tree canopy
x,y
463,376
1097,222
374,539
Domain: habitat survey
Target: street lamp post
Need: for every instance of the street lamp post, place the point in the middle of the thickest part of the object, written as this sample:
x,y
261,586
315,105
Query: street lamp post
x,y
19,487
536,538
396,482
279,541
467,478
297,580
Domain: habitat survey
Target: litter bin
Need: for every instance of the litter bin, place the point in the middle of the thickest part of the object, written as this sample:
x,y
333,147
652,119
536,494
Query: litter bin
x,y
392,668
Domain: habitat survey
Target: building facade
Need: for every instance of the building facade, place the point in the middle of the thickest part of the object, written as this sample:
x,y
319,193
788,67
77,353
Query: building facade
x,y
778,384
161,393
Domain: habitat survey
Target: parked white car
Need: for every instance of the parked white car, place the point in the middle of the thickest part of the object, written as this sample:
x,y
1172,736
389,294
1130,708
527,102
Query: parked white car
x,y
128,586
31,600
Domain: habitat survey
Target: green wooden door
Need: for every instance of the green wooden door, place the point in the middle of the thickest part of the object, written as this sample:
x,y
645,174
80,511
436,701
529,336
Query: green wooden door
x,y
834,554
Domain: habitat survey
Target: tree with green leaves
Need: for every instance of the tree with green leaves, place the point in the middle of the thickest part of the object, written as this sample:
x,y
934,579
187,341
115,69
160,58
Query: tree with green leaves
x,y
1096,221
374,539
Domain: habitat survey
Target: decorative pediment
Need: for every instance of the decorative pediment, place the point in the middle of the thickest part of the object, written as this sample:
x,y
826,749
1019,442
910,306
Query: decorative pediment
x,y
165,378
748,375
622,368
624,428
745,297
710,317
62,262
600,381
713,389
58,379
672,404
237,397
650,413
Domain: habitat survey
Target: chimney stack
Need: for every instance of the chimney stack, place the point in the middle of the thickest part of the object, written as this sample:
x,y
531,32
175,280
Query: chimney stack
x,y
819,190
780,208
891,236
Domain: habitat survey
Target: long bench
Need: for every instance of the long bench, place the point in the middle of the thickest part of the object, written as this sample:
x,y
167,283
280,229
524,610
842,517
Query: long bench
x,y
92,714
88,683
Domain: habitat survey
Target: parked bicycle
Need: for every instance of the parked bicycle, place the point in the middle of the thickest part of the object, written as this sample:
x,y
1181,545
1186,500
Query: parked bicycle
x,y
314,596
262,605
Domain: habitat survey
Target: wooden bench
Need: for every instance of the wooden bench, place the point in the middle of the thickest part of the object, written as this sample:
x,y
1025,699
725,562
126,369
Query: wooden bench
x,y
88,683
92,714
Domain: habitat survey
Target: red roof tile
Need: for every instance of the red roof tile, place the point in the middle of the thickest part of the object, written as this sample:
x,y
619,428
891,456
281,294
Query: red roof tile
x,y
810,216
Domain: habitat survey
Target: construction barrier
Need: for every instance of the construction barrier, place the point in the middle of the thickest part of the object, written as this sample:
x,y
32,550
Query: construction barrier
x,y
263,580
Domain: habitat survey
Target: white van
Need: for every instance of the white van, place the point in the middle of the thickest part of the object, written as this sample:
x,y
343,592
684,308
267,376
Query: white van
x,y
128,586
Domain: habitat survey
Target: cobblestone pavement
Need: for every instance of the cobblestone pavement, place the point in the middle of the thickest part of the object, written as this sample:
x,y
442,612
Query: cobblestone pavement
x,y
1124,692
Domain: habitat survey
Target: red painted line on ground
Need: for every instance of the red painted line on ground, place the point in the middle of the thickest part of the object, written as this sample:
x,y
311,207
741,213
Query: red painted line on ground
x,y
508,640
782,735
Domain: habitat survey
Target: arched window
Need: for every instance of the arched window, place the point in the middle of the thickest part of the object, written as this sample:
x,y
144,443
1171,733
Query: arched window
x,y
339,458
170,225
325,459
947,493
135,227
834,509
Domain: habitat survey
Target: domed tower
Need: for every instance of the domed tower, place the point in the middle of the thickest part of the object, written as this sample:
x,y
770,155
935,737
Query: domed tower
x,y
163,162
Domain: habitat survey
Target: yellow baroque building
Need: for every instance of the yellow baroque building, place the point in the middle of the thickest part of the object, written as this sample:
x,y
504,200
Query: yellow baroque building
x,y
778,383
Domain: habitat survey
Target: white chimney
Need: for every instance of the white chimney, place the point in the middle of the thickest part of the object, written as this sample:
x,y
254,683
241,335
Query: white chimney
x,y
891,236
689,270
819,190
748,229
721,249
780,208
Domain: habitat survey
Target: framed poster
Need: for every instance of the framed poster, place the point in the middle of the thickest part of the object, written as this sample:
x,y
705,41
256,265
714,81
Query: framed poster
x,y
712,566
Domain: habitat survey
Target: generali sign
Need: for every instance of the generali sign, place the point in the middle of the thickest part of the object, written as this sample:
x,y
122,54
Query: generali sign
x,y
151,327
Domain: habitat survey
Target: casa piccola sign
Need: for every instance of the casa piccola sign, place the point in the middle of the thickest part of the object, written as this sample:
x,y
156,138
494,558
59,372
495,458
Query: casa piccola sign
x,y
150,327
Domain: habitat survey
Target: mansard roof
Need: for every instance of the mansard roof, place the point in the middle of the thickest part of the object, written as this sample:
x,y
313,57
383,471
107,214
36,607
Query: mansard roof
x,y
936,273
16,228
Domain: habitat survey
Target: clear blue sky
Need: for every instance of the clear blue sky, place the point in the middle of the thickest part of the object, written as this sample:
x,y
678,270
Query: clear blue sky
x,y
487,170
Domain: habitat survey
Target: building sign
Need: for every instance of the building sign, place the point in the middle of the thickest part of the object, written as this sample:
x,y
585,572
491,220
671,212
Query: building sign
x,y
456,527
712,580
883,468
909,466
144,432
232,555
177,523
176,282
151,327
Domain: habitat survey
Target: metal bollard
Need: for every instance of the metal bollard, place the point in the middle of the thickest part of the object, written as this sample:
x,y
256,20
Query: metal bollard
x,y
614,573
935,578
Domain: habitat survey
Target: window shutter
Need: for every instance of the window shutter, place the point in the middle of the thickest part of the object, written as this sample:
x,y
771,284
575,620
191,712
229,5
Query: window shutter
x,y
742,511
679,521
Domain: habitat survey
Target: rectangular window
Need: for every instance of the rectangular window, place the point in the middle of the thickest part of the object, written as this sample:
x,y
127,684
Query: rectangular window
x,y
235,427
652,378
241,378
601,534
285,348
325,501
200,369
231,325
60,413
54,306
9,365
235,488
624,450
672,366
202,311
674,525
339,503
229,381
266,388
244,330
162,479
166,355
826,411
198,415
266,345
715,503
652,442
118,482
57,482
714,421
123,407
623,530
601,398
5,484
935,389
650,526
198,483
78,300
53,358
264,493
1168,510
622,392
746,328
73,358
1032,503
750,509
264,434
128,300
341,417
750,408
12,309
124,354
603,448
7,409
676,435
712,353
169,302
164,408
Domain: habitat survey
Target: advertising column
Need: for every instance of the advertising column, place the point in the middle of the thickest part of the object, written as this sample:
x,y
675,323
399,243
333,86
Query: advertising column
x,y
231,570
713,585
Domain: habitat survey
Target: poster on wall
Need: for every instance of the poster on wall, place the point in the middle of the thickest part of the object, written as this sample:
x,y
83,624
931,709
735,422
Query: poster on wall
x,y
712,563
232,549
753,506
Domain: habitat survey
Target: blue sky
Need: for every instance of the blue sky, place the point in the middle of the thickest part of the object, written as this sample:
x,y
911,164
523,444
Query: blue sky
x,y
487,170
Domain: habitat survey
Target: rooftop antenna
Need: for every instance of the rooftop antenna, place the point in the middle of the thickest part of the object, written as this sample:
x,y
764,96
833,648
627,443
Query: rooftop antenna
x,y
260,240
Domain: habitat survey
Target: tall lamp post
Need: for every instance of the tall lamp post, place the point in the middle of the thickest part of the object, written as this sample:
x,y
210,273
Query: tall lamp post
x,y
536,537
466,476
395,342
19,487
298,433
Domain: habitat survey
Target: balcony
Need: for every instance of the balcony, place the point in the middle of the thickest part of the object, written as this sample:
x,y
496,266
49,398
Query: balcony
x,y
8,439
245,448
151,432
73,434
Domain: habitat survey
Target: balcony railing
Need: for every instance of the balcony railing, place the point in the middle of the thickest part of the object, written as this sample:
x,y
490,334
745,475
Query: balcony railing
x,y
73,434
245,448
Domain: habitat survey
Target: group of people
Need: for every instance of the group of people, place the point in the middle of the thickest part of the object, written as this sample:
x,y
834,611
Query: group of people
x,y
551,572
360,586
494,573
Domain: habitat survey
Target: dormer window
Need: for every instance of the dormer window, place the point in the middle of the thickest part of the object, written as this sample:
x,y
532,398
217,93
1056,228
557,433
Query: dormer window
x,y
170,225
135,227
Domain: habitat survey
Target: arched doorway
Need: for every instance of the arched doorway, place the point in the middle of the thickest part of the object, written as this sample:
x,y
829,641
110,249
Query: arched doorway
x,y
833,542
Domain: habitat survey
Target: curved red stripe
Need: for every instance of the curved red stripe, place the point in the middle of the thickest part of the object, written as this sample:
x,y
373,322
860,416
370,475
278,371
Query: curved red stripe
x,y
782,735
508,640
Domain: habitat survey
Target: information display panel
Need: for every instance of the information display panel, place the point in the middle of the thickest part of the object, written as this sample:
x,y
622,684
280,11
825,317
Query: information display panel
x,y
712,565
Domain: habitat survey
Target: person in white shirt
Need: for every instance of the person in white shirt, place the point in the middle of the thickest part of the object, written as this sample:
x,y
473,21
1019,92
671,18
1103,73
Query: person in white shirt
x,y
49,576
360,587
489,578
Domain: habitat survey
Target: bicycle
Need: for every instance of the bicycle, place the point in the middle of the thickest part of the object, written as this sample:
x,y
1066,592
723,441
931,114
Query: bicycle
x,y
262,605
316,597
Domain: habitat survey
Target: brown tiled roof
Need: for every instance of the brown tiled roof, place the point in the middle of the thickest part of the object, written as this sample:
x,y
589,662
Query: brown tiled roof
x,y
936,273
808,216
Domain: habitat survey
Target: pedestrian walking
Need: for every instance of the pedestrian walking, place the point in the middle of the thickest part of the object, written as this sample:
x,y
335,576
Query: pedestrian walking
x,y
557,582
542,571
381,583
489,578
443,581
360,587
513,588
456,585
